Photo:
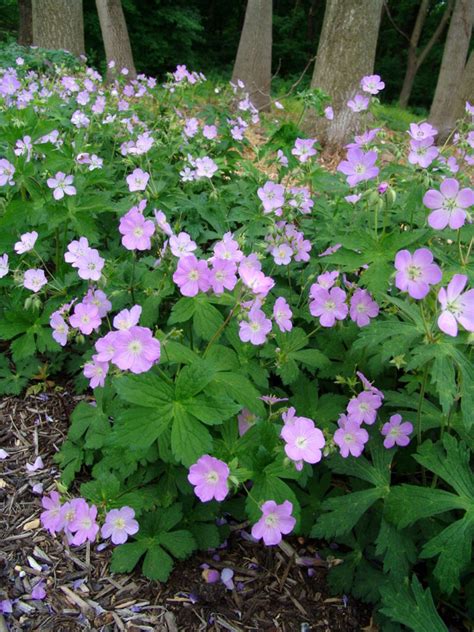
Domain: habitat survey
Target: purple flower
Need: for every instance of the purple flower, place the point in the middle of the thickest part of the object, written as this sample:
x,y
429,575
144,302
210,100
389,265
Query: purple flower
x,y
100,300
282,254
325,280
449,204
222,275
272,196
205,167
423,131
422,152
136,349
37,465
329,305
372,84
272,399
226,578
363,307
256,328
415,273
396,432
209,131
209,477
363,408
246,420
304,149
128,317
304,441
350,437
62,185
89,263
6,172
363,140
119,524
329,113
86,318
282,314
26,243
162,224
359,103
51,517
301,200
191,276
34,279
282,159
96,372
275,521
60,328
182,245
84,525
359,166
4,268
137,180
136,230
456,307
368,386
228,249
105,347
352,199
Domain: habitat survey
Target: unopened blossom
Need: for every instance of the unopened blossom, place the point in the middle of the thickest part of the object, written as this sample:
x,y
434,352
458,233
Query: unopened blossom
x,y
449,205
272,399
362,307
256,328
372,84
119,525
84,526
4,267
282,159
272,196
350,437
192,276
416,272
304,149
6,172
51,516
422,152
85,318
359,103
137,180
59,327
329,113
182,245
246,419
34,279
24,147
329,305
396,432
368,386
96,372
456,306
127,317
359,166
136,231
210,478
162,222
61,185
352,199
222,275
363,408
383,187
100,300
282,314
276,521
136,349
304,441
422,131
301,200
205,167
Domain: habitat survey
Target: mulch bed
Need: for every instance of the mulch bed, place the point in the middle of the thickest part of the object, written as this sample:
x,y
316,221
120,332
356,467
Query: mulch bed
x,y
275,589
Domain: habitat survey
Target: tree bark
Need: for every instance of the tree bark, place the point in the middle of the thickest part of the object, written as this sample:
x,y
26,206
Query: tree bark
x,y
59,25
25,27
115,36
466,89
415,60
346,52
443,110
253,64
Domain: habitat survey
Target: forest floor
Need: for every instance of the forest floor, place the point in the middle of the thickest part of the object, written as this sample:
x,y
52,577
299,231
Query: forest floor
x,y
275,589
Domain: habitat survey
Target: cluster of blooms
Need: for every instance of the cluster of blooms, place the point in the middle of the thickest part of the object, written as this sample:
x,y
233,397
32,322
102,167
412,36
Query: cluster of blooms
x,y
285,242
273,198
329,302
183,77
199,168
422,148
371,85
86,260
78,520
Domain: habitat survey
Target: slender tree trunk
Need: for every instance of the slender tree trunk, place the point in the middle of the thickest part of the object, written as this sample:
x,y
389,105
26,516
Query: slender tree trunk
x,y
466,89
115,36
443,111
59,25
415,59
25,28
253,64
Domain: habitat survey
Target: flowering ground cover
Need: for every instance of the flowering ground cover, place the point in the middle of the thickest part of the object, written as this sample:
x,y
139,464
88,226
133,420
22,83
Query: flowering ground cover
x,y
290,352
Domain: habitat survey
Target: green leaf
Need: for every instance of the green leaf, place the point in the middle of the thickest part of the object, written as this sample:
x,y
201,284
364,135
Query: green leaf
x,y
193,379
157,564
269,488
147,389
91,423
443,376
344,512
207,319
126,556
189,438
411,607
396,549
182,311
408,503
140,427
212,410
179,543
241,390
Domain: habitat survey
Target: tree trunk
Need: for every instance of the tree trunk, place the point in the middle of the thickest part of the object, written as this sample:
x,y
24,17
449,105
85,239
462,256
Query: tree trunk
x,y
346,52
25,28
59,25
115,36
466,89
412,60
442,113
253,64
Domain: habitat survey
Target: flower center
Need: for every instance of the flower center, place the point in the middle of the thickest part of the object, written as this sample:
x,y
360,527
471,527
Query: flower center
x,y
193,275
212,477
119,523
135,347
348,438
301,442
414,272
271,520
359,169
329,305
138,231
86,523
254,326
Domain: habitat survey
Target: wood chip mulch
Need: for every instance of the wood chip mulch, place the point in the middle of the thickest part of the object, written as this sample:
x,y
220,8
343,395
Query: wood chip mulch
x,y
276,589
